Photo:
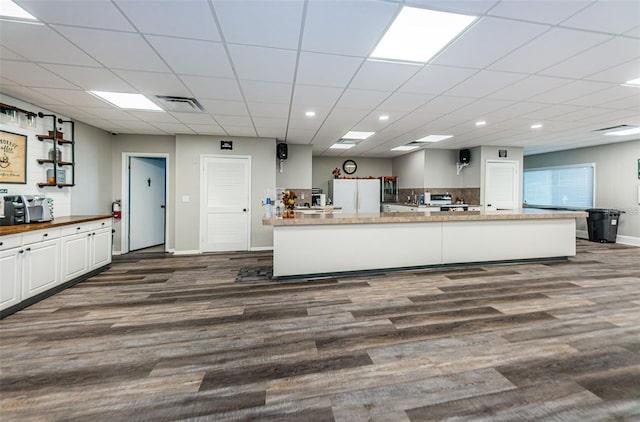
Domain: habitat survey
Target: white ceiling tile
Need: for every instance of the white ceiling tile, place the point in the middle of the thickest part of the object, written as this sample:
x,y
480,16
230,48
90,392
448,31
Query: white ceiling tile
x,y
443,104
477,48
269,110
301,136
154,117
273,92
7,54
302,123
630,103
298,112
345,35
75,97
326,69
614,16
436,79
193,57
484,83
550,12
185,19
154,83
271,123
315,95
207,129
550,48
132,51
234,121
583,113
528,87
90,78
400,102
136,125
480,107
553,112
514,110
634,32
215,107
465,7
263,64
240,131
113,114
570,91
270,132
78,13
173,128
384,76
29,95
362,98
597,59
194,118
26,40
610,95
29,74
212,88
270,24
624,72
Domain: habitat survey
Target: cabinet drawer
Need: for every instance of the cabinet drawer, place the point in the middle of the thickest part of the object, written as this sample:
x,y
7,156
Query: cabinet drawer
x,y
40,235
101,224
72,229
8,242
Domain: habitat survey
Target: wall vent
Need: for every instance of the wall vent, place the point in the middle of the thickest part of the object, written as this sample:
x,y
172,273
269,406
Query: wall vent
x,y
180,104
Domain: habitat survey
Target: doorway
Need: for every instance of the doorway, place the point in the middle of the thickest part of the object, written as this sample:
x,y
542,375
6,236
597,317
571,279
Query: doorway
x,y
501,185
144,201
224,203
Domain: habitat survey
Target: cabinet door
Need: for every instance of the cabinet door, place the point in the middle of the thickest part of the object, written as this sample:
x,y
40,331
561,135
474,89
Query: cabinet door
x,y
369,195
75,255
41,267
11,280
100,248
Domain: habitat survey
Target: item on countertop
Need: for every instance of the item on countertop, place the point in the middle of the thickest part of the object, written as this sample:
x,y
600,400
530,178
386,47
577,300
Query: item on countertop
x,y
289,201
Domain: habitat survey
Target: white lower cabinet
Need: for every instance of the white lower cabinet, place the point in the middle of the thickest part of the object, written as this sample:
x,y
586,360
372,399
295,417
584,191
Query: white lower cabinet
x,y
34,262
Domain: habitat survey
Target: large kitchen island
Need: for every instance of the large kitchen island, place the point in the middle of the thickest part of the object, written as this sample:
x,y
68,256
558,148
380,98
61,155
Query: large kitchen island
x,y
318,244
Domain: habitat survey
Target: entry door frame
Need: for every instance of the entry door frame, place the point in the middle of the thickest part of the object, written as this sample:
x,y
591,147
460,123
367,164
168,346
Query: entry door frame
x,y
124,222
203,190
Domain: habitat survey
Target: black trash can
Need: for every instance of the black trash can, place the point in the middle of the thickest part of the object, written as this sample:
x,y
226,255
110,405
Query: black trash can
x,y
603,224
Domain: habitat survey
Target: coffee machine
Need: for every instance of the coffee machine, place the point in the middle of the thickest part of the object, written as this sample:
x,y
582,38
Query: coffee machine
x,y
14,210
24,209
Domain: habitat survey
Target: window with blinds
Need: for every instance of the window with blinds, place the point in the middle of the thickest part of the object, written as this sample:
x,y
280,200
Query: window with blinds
x,y
560,187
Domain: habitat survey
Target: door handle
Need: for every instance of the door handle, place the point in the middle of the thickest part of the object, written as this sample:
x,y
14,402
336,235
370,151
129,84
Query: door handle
x,y
162,206
244,210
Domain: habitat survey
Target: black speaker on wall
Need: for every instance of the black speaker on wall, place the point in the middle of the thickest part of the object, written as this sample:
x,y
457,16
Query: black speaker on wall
x,y
282,151
464,156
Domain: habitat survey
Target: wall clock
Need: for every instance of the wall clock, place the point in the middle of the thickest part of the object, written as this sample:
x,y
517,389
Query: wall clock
x,y
349,166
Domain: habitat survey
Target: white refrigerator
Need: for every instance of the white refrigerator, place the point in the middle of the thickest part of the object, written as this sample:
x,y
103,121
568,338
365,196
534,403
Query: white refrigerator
x,y
355,195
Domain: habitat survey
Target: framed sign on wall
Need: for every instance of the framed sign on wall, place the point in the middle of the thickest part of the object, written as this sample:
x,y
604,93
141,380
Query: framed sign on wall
x,y
13,158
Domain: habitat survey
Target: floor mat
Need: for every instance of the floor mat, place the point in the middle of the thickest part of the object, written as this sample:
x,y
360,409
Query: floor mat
x,y
255,273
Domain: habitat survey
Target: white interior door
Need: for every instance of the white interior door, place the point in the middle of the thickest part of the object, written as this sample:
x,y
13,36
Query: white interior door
x,y
369,195
146,202
224,203
501,185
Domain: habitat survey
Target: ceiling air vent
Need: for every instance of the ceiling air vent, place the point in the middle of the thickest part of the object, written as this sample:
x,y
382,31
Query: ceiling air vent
x,y
619,127
180,104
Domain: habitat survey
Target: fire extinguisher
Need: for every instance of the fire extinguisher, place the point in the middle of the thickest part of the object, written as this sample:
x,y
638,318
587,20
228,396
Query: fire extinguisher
x,y
116,210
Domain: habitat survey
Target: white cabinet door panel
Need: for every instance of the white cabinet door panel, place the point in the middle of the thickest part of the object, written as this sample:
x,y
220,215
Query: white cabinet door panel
x,y
11,280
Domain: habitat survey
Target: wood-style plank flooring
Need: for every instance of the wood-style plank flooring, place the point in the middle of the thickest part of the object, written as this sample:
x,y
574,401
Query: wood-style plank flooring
x,y
159,337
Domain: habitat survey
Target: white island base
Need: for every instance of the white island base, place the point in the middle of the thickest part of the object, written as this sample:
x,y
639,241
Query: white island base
x,y
351,243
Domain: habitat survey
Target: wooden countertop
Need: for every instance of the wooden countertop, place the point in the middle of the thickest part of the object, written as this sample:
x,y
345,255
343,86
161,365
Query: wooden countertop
x,y
56,222
421,217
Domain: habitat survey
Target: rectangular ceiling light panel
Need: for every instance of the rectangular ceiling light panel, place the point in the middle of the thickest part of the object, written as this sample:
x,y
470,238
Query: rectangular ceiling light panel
x,y
9,9
434,138
416,35
356,134
405,148
127,101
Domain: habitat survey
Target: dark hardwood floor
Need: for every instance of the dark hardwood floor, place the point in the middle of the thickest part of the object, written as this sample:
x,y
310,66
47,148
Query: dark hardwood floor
x,y
159,337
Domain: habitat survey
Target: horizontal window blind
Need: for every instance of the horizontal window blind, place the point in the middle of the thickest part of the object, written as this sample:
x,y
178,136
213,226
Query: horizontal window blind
x,y
565,186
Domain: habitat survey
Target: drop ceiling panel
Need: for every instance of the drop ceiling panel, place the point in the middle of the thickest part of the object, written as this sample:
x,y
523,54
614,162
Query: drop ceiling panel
x,y
78,13
362,98
298,112
270,123
132,50
344,35
263,64
197,118
400,102
29,74
207,129
436,79
444,104
29,95
173,128
116,115
7,54
301,136
570,91
271,110
302,123
480,107
270,24
610,95
225,121
477,48
326,69
154,117
549,12
597,59
316,95
153,83
26,40
549,49
185,19
269,132
613,16
193,57
550,112
212,88
274,92
384,76
624,72
469,7
240,131
215,107
484,83
74,97
631,104
90,78
528,87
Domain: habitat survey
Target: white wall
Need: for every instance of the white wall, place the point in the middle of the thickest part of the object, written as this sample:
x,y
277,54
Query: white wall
x,y
189,148
323,166
617,180
94,183
410,170
296,169
440,169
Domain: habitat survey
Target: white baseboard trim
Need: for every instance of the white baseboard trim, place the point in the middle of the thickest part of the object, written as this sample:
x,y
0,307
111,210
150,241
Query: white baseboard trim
x,y
261,248
187,252
624,240
116,252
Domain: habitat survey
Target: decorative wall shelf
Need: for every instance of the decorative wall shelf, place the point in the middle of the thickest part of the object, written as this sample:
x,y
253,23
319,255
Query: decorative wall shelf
x,y
55,136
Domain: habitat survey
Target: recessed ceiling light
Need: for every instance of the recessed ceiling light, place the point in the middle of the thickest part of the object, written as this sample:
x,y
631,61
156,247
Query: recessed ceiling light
x,y
356,134
343,145
416,35
127,101
434,138
9,9
404,148
536,126
481,123
624,132
383,117
310,113
635,81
